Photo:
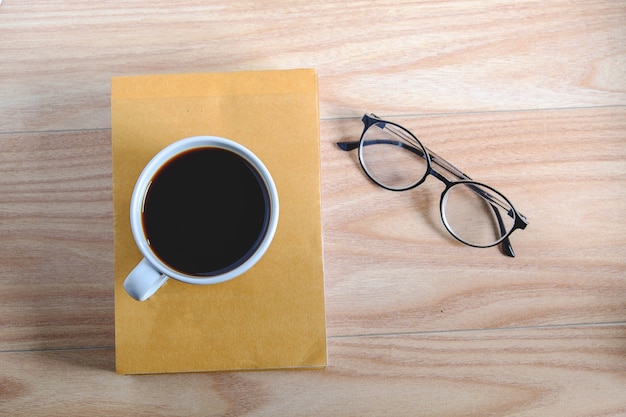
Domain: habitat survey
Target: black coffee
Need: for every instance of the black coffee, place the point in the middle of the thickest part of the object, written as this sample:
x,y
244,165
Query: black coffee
x,y
205,212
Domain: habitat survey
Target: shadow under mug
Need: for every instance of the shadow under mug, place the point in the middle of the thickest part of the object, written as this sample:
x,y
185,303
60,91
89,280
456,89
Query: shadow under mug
x,y
204,210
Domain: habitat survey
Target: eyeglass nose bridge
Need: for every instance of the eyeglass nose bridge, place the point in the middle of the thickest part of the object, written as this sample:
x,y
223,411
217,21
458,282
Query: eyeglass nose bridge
x,y
431,171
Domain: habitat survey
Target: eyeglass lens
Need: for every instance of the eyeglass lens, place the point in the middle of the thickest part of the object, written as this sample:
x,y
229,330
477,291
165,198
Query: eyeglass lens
x,y
391,160
475,214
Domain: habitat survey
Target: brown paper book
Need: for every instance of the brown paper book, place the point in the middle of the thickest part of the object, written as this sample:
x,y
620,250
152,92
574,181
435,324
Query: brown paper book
x,y
270,317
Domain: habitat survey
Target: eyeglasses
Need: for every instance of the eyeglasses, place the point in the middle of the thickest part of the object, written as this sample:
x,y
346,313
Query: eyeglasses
x,y
474,213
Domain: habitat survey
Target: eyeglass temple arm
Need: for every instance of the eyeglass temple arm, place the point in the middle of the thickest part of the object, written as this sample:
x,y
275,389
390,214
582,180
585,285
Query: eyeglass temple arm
x,y
506,246
436,159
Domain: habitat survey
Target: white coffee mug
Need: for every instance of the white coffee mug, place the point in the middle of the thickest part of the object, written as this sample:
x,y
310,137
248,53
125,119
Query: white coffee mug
x,y
216,199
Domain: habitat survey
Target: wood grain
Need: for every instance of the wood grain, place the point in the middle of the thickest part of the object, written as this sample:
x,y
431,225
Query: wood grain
x,y
527,96
56,229
524,372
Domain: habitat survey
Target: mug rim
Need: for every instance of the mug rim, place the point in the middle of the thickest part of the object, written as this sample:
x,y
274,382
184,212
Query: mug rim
x,y
144,180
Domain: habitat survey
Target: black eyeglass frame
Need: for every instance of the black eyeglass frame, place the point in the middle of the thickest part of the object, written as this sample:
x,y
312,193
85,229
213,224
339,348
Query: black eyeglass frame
x,y
520,221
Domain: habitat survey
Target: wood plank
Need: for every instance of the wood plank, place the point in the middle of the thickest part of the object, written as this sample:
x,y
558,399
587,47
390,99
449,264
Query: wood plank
x,y
56,234
559,371
390,265
402,57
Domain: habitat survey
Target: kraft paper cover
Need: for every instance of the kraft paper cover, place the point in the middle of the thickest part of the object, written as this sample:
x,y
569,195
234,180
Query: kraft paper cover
x,y
271,316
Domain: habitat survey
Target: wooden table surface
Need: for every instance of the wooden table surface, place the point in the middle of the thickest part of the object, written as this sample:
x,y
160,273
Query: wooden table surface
x,y
527,96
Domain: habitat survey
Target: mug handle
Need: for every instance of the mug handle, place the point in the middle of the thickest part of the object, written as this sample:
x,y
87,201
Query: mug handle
x,y
143,281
